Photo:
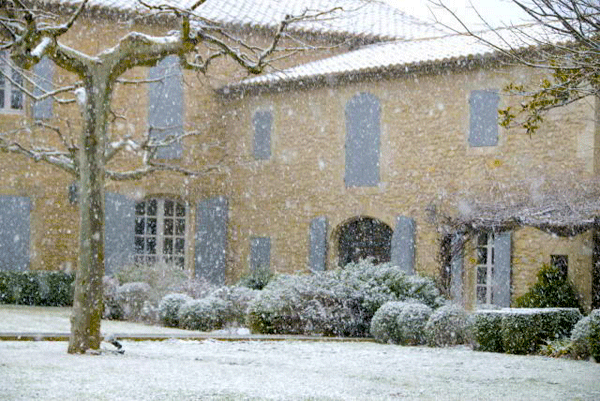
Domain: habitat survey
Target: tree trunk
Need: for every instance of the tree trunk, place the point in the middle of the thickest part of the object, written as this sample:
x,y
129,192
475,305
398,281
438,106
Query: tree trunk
x,y
87,303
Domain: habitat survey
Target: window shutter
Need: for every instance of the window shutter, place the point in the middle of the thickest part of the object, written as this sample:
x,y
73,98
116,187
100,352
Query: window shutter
x,y
260,254
165,112
44,74
318,244
483,128
362,141
14,232
119,231
262,121
403,244
456,268
502,268
211,239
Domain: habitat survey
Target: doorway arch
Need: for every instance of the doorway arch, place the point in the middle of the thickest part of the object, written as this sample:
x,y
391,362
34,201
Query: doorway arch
x,y
364,237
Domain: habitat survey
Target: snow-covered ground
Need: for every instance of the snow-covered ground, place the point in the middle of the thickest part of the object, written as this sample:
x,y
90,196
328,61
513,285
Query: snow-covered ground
x,y
285,370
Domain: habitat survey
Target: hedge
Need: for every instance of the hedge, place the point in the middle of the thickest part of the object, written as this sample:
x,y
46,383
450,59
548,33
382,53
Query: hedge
x,y
39,288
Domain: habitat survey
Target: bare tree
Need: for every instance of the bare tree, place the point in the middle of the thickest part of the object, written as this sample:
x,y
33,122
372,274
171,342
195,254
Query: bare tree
x,y
30,34
565,35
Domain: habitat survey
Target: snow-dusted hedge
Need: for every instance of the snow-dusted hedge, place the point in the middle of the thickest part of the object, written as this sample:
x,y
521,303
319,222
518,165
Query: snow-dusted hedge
x,y
338,302
401,322
448,325
585,337
131,298
204,314
237,299
486,331
168,308
42,288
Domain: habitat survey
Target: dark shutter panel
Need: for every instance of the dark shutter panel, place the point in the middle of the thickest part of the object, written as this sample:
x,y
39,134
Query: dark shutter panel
x,y
403,244
260,254
362,141
14,232
456,268
483,128
165,112
44,74
119,231
211,239
502,268
262,121
318,244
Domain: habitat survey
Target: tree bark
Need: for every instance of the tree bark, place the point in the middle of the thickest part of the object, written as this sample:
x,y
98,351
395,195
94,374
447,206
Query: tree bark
x,y
87,303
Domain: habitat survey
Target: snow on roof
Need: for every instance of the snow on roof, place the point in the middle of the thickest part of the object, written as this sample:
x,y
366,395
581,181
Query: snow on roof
x,y
369,20
403,54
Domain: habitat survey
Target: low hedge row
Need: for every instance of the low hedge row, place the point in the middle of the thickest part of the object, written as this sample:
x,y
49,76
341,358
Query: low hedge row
x,y
39,288
521,330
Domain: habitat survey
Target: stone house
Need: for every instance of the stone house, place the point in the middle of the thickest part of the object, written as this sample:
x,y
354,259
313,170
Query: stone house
x,y
384,146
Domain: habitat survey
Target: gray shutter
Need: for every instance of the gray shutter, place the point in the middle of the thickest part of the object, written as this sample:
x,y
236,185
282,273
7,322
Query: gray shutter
x,y
483,127
14,232
211,239
502,268
165,111
262,121
44,74
260,254
456,268
403,244
318,244
119,231
362,141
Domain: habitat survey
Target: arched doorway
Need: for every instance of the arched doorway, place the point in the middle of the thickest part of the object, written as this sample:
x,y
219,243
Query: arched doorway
x,y
364,237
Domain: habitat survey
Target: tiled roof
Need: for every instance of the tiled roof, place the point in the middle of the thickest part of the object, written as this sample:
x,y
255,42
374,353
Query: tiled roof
x,y
400,55
371,20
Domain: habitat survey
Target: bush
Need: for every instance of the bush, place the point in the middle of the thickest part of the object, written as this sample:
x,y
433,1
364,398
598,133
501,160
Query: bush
x,y
204,314
41,288
162,278
238,299
339,302
486,331
257,279
112,307
524,330
551,290
169,306
131,298
448,325
585,338
401,322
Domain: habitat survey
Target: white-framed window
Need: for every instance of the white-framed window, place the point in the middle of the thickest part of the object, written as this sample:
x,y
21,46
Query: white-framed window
x,y
11,97
160,227
484,268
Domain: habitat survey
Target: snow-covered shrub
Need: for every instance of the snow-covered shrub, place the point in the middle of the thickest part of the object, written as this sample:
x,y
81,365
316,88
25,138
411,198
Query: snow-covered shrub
x,y
384,325
552,289
162,278
42,288
112,307
257,279
338,302
204,314
585,338
523,330
401,322
168,308
131,298
238,299
486,331
448,325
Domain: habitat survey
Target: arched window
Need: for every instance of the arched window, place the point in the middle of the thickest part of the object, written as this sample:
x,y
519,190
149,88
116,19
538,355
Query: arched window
x,y
160,226
362,238
362,141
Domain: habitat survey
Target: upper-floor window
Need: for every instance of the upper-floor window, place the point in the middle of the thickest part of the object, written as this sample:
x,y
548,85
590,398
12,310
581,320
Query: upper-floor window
x,y
165,106
160,227
362,141
11,97
483,122
262,122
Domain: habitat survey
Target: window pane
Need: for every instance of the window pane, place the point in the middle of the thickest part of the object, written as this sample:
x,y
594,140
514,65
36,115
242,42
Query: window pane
x,y
151,226
179,261
152,207
169,208
179,246
140,208
481,295
139,226
16,98
481,275
482,240
151,246
168,227
180,227
1,96
180,210
139,245
168,247
482,256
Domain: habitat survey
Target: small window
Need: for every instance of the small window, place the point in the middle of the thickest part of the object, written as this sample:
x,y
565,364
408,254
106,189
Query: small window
x,y
11,97
561,262
483,127
262,122
160,226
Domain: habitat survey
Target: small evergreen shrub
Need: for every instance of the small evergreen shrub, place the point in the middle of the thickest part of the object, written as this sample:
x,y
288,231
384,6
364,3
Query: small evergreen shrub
x,y
169,306
448,325
40,288
238,299
486,331
552,290
131,298
204,314
256,279
411,323
585,337
384,325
